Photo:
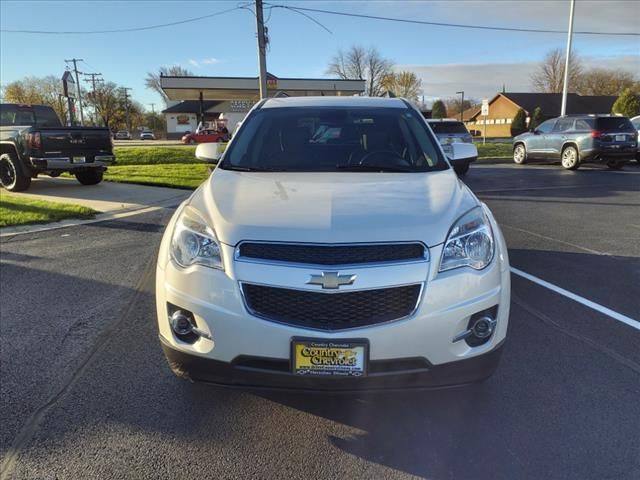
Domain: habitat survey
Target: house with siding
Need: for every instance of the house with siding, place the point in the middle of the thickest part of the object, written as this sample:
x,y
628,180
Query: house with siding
x,y
504,106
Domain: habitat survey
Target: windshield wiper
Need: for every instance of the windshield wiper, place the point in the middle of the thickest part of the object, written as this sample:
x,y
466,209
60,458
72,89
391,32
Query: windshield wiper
x,y
373,168
245,169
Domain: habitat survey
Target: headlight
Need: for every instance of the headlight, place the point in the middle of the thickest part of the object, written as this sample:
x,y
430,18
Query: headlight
x,y
469,243
194,242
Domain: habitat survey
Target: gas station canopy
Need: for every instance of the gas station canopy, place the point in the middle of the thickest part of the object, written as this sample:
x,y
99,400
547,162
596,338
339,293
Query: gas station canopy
x,y
247,88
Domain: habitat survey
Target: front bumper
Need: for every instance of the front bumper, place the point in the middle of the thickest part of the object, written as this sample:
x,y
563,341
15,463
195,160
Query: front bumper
x,y
270,373
67,163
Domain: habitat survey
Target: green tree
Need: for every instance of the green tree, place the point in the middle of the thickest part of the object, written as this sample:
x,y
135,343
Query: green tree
x,y
519,123
536,119
627,104
438,110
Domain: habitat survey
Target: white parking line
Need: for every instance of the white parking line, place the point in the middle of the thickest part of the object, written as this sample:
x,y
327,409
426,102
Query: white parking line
x,y
577,298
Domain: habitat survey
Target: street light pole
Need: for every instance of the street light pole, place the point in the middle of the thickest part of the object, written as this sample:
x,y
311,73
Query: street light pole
x,y
461,105
565,85
262,55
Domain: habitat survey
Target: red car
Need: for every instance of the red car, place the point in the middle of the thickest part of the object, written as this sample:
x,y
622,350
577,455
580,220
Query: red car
x,y
205,136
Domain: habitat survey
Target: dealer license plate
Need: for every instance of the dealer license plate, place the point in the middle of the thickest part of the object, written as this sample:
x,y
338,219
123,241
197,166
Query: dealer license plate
x,y
79,159
621,138
329,358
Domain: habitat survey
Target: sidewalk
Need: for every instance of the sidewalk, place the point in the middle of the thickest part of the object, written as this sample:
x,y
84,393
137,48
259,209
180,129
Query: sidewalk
x,y
107,197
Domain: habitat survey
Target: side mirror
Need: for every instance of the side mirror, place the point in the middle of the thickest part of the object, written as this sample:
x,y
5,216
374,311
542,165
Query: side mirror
x,y
209,152
535,131
462,151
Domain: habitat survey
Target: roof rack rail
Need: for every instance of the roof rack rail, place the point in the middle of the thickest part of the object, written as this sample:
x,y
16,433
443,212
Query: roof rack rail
x,y
281,94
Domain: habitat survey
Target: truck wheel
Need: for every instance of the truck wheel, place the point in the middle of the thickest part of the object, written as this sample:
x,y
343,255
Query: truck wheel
x,y
11,176
462,169
89,177
570,159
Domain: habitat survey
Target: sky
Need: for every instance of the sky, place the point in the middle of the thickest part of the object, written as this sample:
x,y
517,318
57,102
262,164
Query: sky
x,y
446,59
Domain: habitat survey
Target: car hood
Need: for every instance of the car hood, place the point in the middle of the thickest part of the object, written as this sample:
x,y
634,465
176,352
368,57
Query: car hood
x,y
344,207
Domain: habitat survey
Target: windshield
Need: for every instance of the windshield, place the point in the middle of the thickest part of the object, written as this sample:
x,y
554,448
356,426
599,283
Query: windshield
x,y
333,139
613,124
448,127
17,115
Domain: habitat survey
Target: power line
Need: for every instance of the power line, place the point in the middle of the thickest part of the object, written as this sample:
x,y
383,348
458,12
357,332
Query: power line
x,y
442,24
122,30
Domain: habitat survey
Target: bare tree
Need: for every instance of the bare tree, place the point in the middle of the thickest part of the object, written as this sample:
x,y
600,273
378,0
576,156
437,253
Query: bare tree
x,y
403,84
362,64
37,90
602,81
152,80
549,76
454,106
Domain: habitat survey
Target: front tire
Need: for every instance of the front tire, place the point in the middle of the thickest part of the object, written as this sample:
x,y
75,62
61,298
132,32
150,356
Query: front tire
x,y
11,176
519,154
569,158
89,177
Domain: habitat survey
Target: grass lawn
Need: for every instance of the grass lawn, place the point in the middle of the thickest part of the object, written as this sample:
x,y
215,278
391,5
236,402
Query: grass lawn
x,y
19,210
494,150
155,155
176,175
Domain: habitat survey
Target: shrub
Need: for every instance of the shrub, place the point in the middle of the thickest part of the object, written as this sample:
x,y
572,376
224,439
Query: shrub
x,y
536,119
627,104
519,123
438,110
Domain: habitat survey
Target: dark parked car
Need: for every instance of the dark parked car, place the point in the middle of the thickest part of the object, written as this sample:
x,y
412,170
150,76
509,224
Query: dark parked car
x,y
579,139
34,141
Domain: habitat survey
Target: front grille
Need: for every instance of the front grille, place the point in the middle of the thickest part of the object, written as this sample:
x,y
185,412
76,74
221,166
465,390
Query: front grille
x,y
333,254
331,311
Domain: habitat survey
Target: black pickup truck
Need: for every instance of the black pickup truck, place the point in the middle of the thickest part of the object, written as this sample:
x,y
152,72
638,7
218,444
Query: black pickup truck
x,y
34,141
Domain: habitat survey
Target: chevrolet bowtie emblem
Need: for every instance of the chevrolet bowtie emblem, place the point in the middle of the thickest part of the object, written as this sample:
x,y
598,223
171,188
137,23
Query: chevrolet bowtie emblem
x,y
331,280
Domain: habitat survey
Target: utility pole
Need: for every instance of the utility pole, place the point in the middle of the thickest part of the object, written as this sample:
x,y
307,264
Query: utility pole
x,y
75,70
262,55
461,105
93,93
126,106
565,85
153,118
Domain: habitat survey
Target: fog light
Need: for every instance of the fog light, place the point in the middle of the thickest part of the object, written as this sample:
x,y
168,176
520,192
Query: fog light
x,y
181,323
184,326
480,328
483,327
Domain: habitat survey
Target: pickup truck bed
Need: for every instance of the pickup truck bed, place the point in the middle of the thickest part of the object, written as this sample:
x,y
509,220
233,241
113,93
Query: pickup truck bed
x,y
45,146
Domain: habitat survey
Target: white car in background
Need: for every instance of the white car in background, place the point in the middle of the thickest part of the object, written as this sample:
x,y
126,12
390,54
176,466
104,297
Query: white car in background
x,y
147,135
333,248
449,131
636,124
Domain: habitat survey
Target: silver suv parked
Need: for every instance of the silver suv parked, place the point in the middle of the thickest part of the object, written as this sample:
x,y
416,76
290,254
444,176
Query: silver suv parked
x,y
448,132
579,139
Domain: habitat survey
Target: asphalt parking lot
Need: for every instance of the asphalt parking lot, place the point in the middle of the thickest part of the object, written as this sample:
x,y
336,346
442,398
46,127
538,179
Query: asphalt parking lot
x,y
85,390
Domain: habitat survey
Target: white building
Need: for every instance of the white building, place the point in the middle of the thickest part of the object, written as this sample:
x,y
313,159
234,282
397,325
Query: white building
x,y
206,99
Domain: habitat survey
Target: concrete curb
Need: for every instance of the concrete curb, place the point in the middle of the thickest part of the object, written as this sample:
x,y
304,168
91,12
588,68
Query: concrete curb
x,y
103,217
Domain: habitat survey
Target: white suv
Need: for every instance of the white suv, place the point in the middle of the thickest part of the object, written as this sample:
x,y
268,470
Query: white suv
x,y
333,248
